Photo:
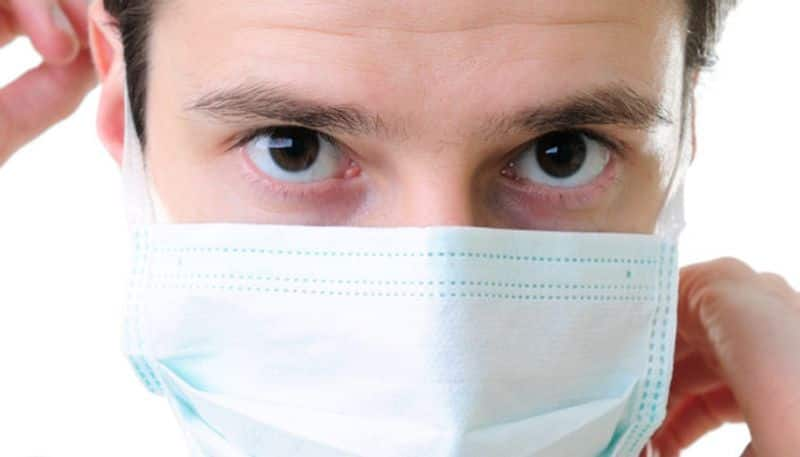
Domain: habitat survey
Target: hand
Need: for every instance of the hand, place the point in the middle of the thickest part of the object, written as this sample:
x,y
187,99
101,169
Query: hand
x,y
737,358
54,89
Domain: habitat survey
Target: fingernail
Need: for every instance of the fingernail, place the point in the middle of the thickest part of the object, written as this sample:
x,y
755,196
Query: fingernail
x,y
60,20
62,23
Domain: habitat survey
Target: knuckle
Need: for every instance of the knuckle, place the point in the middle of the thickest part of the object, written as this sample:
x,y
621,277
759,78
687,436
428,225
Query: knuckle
x,y
721,270
715,294
775,279
732,267
778,287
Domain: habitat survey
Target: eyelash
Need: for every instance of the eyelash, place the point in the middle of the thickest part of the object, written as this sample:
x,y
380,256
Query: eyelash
x,y
616,147
574,196
247,136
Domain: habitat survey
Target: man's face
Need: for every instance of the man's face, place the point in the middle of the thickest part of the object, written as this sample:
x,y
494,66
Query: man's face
x,y
529,114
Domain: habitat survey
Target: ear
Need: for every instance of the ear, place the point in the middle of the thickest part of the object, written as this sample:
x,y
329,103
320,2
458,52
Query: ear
x,y
109,62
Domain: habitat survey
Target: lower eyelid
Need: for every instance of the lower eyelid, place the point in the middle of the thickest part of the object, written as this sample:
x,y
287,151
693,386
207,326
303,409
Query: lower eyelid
x,y
575,198
269,188
581,197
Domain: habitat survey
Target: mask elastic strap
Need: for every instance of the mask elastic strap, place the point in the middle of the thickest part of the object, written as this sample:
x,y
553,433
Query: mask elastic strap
x,y
672,219
138,201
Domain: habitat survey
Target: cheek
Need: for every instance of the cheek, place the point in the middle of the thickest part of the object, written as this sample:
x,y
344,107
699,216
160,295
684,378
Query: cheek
x,y
183,186
221,188
190,180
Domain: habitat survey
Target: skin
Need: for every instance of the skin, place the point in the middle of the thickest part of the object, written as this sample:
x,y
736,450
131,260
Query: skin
x,y
416,66
422,87
54,89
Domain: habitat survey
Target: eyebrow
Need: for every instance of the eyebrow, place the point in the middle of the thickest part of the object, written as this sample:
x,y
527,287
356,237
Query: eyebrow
x,y
615,104
612,105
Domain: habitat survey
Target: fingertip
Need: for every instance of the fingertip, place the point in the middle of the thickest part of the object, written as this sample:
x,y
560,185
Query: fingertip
x,y
78,13
40,98
48,28
65,45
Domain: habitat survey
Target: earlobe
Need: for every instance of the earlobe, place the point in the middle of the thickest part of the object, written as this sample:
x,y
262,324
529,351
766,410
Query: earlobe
x,y
107,54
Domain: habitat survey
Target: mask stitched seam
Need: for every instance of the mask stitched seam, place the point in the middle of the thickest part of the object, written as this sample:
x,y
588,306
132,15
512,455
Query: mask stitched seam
x,y
395,282
634,434
663,371
482,255
389,293
140,363
650,397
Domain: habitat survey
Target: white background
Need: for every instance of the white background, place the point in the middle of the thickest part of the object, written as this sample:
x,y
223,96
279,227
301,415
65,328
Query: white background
x,y
67,391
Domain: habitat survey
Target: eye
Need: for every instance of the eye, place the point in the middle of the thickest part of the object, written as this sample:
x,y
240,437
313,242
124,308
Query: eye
x,y
562,159
294,154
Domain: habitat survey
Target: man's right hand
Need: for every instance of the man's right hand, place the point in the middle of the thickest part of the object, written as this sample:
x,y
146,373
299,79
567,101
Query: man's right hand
x,y
53,90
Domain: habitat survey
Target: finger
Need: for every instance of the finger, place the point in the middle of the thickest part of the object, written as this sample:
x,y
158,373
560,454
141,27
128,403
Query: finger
x,y
694,280
39,98
683,348
48,27
695,417
78,13
752,333
749,451
692,376
776,284
648,451
8,29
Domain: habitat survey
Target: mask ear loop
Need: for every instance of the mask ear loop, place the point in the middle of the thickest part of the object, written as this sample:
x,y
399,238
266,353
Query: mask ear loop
x,y
672,218
139,204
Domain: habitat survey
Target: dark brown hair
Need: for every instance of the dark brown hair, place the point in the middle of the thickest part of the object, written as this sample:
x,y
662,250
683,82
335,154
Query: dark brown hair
x,y
133,18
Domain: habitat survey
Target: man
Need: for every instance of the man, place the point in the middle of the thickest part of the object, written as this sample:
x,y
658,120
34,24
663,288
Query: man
x,y
580,118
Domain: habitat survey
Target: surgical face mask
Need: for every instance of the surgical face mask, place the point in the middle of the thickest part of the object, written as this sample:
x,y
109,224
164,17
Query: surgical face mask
x,y
272,340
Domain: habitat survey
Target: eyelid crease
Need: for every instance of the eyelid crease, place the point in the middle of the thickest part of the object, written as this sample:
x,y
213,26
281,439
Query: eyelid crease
x,y
249,135
617,147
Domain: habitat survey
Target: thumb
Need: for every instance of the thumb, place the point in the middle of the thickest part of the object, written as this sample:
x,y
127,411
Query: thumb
x,y
40,98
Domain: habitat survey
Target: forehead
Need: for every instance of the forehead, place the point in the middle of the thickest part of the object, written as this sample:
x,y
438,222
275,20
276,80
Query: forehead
x,y
446,58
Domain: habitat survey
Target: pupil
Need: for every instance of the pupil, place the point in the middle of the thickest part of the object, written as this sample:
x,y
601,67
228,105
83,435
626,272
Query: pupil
x,y
561,154
294,149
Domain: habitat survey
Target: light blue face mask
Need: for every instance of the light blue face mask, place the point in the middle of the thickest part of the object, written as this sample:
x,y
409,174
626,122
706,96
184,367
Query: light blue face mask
x,y
436,341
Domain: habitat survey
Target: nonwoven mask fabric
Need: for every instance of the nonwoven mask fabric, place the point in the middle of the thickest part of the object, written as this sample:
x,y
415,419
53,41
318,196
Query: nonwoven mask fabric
x,y
271,340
